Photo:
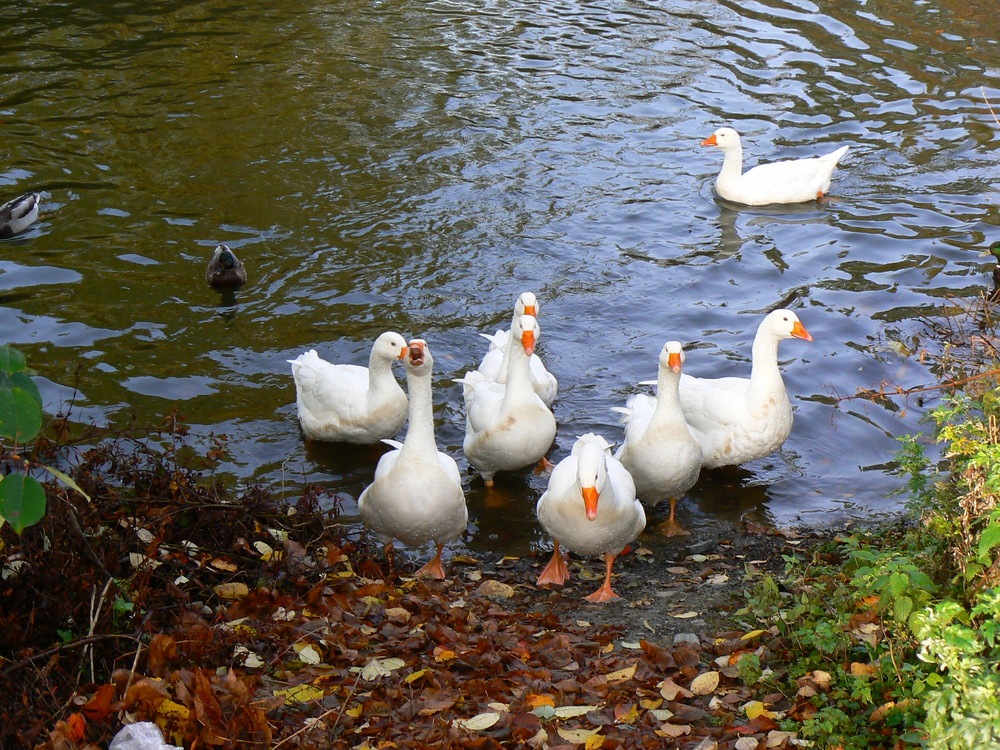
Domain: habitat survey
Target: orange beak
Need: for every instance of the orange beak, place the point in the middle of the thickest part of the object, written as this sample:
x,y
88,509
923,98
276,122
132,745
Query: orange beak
x,y
531,310
416,352
799,332
674,360
528,342
590,502
710,141
402,352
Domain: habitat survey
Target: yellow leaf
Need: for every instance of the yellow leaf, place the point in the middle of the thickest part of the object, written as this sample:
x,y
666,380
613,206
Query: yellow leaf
x,y
684,615
235,590
227,565
752,634
704,683
576,736
479,721
594,742
444,654
754,709
414,676
621,675
534,701
354,711
301,693
377,668
649,703
173,710
608,648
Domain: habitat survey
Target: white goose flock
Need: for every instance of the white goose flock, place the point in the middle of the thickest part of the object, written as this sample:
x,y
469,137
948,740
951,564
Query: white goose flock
x,y
594,502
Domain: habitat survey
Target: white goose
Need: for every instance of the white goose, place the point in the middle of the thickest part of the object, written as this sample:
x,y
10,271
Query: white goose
x,y
494,364
660,451
742,419
790,181
589,507
507,425
18,214
417,495
350,403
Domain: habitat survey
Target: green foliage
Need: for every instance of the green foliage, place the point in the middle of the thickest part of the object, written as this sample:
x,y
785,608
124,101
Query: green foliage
x,y
963,710
22,499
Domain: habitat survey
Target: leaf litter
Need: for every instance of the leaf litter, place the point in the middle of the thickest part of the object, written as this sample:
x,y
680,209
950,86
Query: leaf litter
x,y
271,624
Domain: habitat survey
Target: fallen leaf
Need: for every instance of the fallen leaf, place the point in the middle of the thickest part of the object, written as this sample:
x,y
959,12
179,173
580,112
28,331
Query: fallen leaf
x,y
878,714
752,634
776,738
399,614
494,589
301,693
479,721
98,707
620,675
250,659
862,670
626,713
746,743
705,683
307,653
444,654
568,712
673,730
684,615
533,700
225,565
670,690
576,736
377,668
753,709
414,676
236,590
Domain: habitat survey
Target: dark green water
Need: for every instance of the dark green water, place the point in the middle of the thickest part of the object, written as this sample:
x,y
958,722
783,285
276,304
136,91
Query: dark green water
x,y
415,165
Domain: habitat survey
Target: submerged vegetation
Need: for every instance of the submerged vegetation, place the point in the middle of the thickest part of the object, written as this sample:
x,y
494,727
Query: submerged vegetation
x,y
142,588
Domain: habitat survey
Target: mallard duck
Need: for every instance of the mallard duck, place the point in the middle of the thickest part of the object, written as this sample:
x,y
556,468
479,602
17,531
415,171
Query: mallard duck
x,y
589,507
225,270
789,181
494,364
18,214
350,403
507,425
660,451
416,495
742,419
995,252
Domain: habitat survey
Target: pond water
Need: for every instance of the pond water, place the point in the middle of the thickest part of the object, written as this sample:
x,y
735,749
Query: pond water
x,y
413,166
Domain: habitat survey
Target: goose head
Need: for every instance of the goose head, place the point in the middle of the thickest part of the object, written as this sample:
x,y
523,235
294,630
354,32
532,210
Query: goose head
x,y
225,270
784,324
526,331
725,138
417,357
390,345
672,356
526,304
591,472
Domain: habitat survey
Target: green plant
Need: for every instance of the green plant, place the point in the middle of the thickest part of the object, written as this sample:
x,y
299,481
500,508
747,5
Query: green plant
x,y
22,498
963,709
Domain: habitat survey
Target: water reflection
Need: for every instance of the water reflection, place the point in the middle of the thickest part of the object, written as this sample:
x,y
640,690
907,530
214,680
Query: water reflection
x,y
415,166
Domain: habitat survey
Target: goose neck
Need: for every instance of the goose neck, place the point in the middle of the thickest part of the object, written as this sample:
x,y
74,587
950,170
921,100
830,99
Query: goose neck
x,y
420,432
764,372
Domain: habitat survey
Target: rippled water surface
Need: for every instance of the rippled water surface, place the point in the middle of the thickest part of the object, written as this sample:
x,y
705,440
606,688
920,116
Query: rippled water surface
x,y
415,165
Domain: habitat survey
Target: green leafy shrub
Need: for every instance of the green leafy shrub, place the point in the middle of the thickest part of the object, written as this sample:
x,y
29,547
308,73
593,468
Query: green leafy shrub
x,y
22,498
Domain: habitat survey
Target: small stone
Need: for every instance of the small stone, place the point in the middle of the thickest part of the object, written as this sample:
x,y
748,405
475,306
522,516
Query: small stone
x,y
686,638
